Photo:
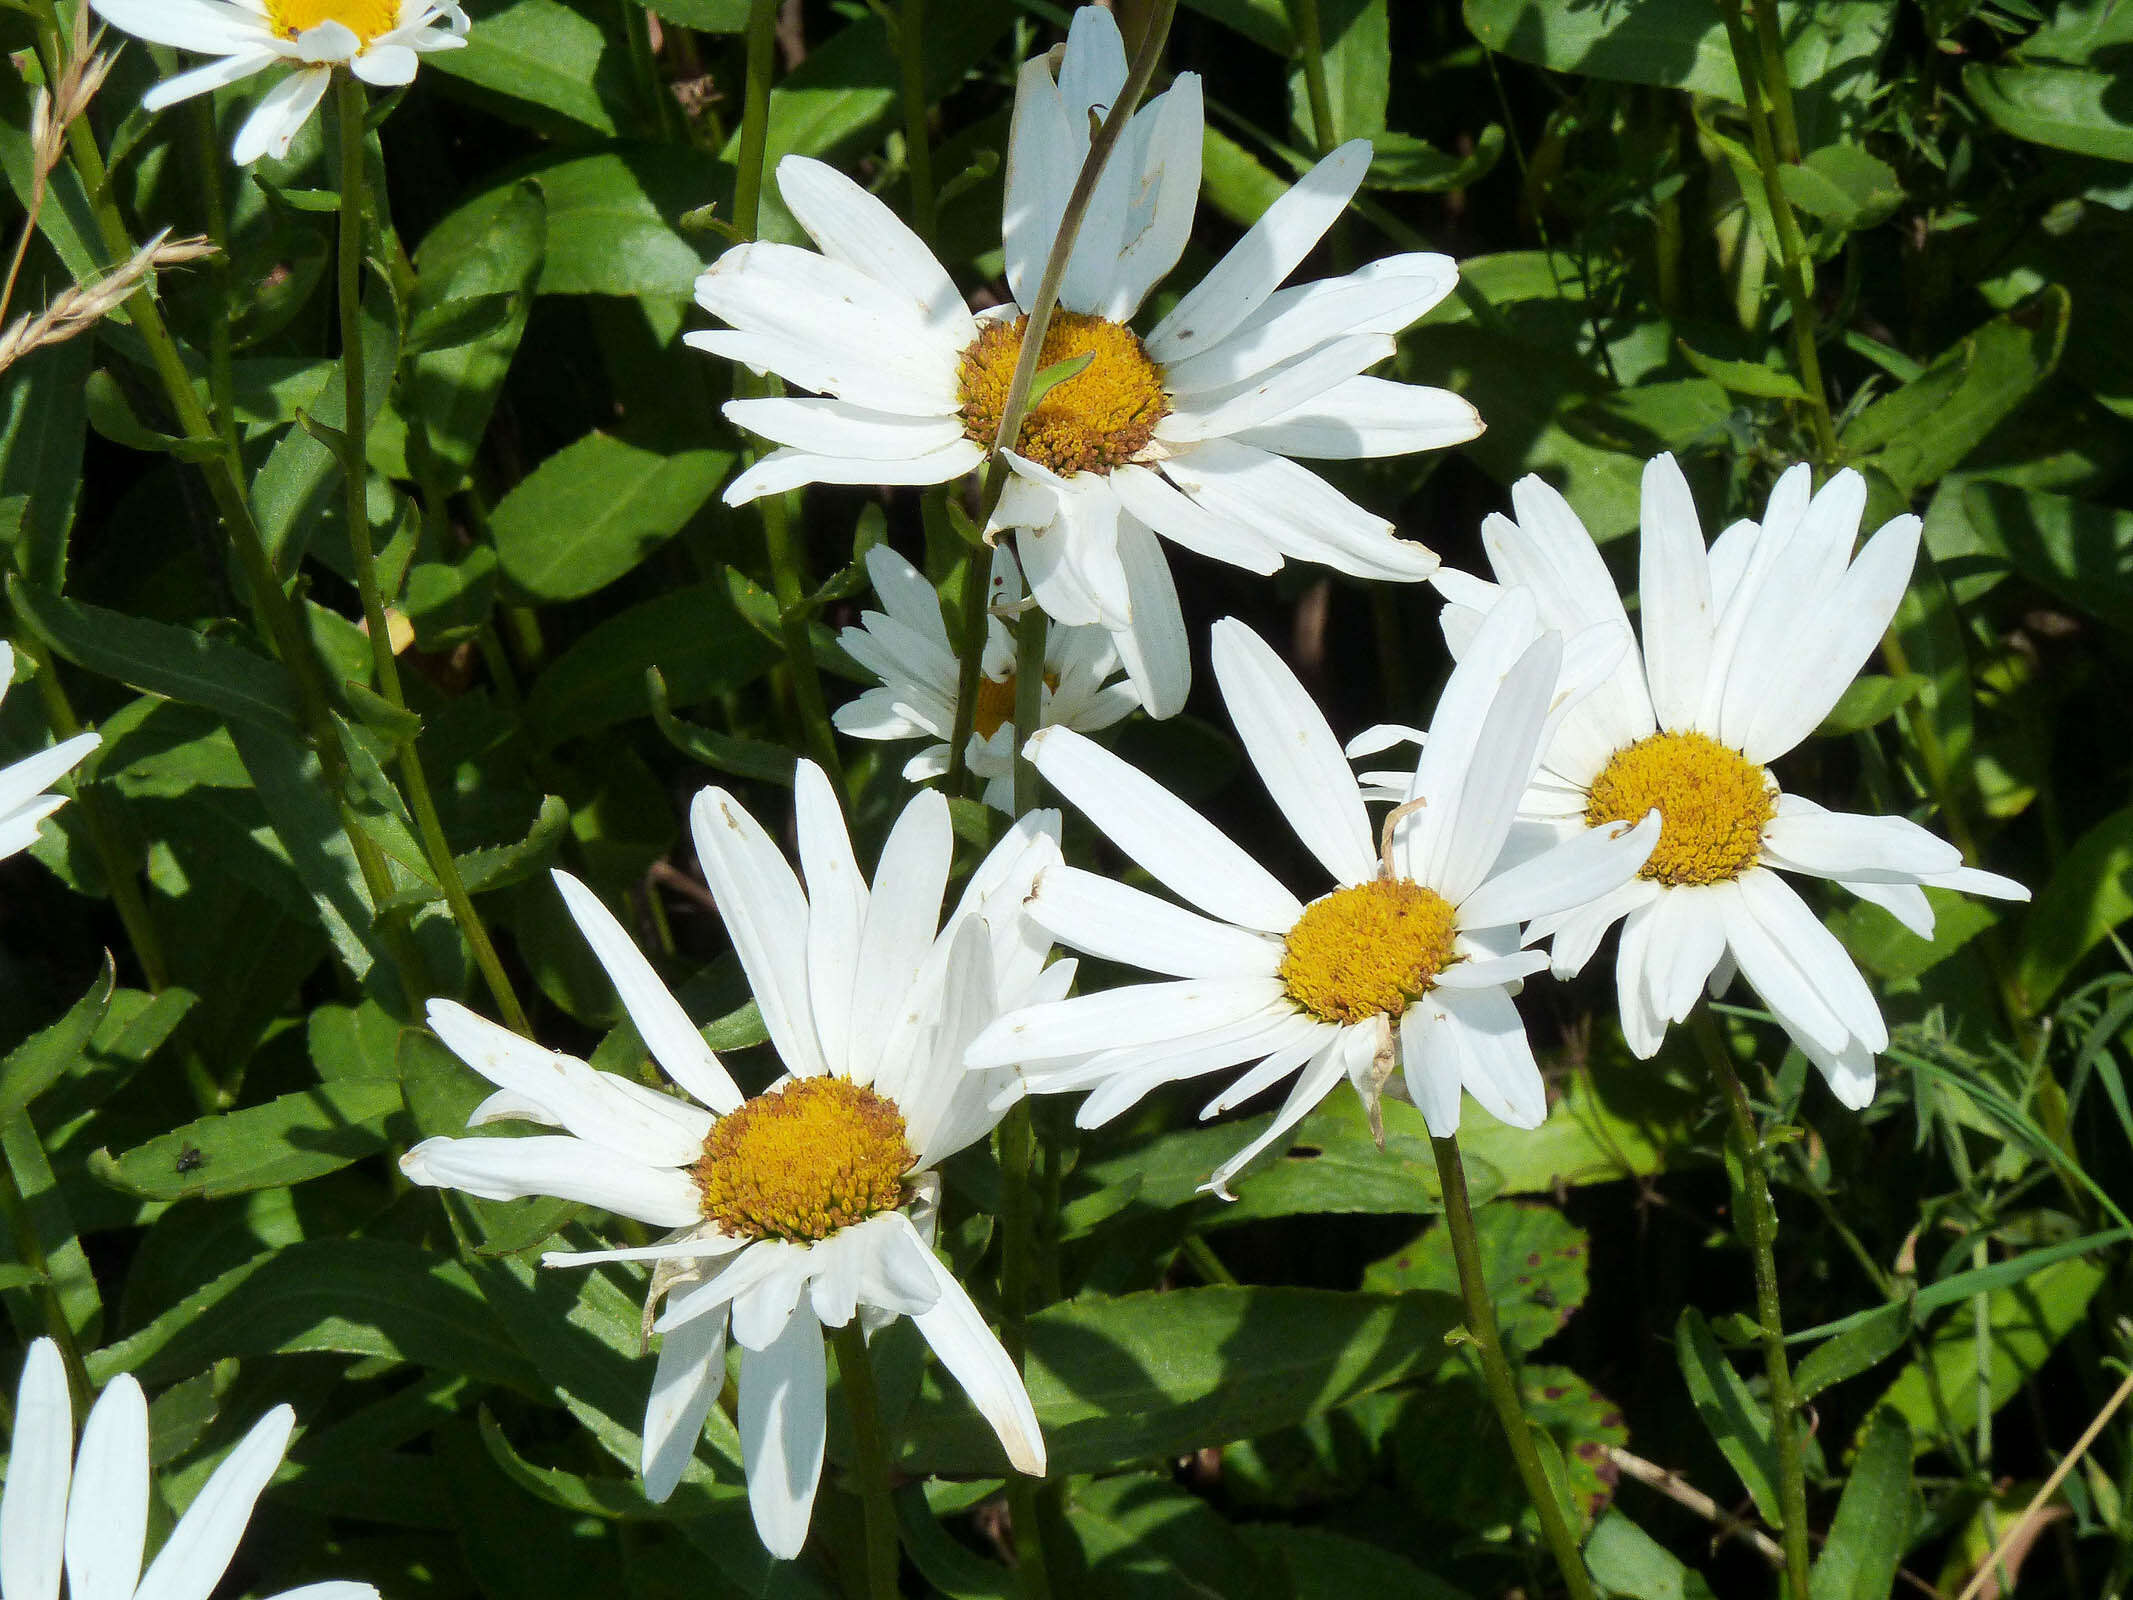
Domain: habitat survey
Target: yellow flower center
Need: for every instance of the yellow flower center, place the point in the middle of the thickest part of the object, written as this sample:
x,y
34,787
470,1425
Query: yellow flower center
x,y
1367,951
366,19
996,703
1713,805
818,1155
1100,418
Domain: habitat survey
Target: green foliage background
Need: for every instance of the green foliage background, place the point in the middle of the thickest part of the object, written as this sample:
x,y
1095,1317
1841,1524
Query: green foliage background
x,y
1254,1400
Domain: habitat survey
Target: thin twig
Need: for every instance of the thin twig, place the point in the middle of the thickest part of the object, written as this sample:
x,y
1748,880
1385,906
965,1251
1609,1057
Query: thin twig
x,y
1683,1493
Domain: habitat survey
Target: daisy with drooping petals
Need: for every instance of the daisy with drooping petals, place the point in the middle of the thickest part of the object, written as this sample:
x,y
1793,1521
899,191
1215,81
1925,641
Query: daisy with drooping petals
x,y
1409,962
1746,647
1187,433
815,1201
906,645
23,802
380,41
86,1515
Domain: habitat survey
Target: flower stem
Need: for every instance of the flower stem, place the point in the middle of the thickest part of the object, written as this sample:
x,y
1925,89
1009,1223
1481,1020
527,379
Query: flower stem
x,y
918,153
787,557
355,474
1030,629
1754,1158
856,1368
1017,1240
1496,1373
1792,245
970,665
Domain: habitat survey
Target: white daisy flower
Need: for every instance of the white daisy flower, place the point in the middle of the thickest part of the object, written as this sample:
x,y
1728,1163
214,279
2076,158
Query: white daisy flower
x,y
1186,433
1746,647
814,1201
87,1515
1410,961
906,645
23,802
380,41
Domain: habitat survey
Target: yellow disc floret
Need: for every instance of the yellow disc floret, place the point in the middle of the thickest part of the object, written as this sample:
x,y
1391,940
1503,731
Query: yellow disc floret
x,y
366,19
1100,418
818,1155
1713,805
1367,951
996,703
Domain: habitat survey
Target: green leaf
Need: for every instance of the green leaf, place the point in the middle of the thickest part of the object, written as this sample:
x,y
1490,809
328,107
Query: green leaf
x,y
1886,948
1322,1565
1870,701
37,1063
1925,429
2024,1325
1736,1420
1357,35
1139,1536
1533,1260
43,420
1858,1349
693,636
288,1140
722,752
1629,1562
612,1498
2090,893
1401,163
1154,1375
1844,186
706,16
2065,108
1873,1523
481,257
449,602
1264,22
589,513
359,1297
1744,377
1051,377
2077,550
162,659
547,65
43,1218
291,784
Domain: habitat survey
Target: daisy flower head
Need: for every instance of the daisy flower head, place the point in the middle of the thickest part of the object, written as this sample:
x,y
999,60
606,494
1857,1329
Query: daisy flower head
x,y
23,802
794,1210
1408,963
1746,645
1187,432
906,646
380,41
85,1515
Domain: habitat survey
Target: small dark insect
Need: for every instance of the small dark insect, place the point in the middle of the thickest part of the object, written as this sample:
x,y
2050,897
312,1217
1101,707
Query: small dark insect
x,y
190,1160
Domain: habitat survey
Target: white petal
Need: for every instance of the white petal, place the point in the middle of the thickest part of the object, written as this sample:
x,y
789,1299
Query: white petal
x,y
975,1359
1364,417
1837,844
566,1169
1590,864
107,1523
196,25
1492,972
908,597
1258,399
275,121
1687,939
1121,1078
1257,263
854,227
199,1549
1139,1013
1297,757
847,371
783,1417
1151,498
1383,296
1166,187
1179,848
1495,1057
703,1243
1278,1065
766,917
33,1505
1153,649
387,66
1906,902
1296,511
596,1106
216,74
1816,952
1643,1029
836,909
1674,592
1110,920
1429,1063
1975,880
1499,767
1772,971
1044,153
902,914
685,1385
791,469
665,1028
1575,935
840,428
1312,1085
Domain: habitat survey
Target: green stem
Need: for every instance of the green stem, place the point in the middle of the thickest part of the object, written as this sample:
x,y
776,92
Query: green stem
x,y
221,385
1311,42
856,1370
1792,245
1496,1373
1754,1157
355,475
787,557
970,663
1016,1240
918,152
1777,80
1030,630
29,1251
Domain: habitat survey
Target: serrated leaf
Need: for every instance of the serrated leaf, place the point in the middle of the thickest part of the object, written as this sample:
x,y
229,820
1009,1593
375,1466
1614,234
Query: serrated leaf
x,y
288,1140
